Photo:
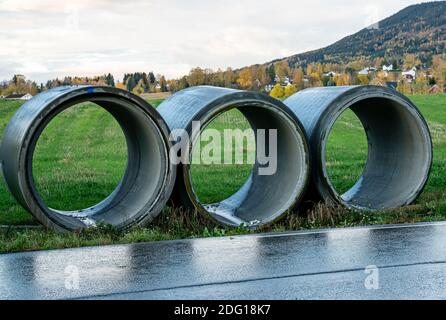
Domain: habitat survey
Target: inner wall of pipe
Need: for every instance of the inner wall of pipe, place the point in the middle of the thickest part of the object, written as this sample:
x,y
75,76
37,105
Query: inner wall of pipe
x,y
143,178
265,198
398,155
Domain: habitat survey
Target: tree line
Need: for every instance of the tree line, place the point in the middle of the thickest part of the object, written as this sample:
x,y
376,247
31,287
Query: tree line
x,y
142,82
277,79
280,80
19,84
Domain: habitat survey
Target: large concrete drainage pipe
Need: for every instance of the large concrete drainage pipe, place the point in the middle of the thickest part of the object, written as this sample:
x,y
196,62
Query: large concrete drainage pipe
x,y
147,182
399,144
264,197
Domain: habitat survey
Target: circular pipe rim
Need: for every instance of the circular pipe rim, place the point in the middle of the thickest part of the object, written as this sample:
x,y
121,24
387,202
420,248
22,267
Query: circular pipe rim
x,y
329,117
28,195
239,100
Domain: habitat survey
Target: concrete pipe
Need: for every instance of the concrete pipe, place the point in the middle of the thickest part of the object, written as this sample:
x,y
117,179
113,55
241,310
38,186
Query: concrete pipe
x,y
148,179
399,144
263,198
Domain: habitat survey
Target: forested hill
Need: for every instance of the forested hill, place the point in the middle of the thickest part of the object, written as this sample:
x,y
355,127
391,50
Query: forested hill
x,y
418,29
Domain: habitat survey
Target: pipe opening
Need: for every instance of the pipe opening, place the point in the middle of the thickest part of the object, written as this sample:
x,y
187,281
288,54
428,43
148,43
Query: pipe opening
x,y
398,159
263,198
80,158
346,152
143,178
224,159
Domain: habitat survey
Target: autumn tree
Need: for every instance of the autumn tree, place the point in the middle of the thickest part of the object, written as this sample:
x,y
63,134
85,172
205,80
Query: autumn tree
x,y
282,69
139,88
380,78
319,69
290,90
298,78
439,71
404,87
310,69
120,85
229,78
410,61
363,79
19,84
262,75
421,85
378,62
343,79
358,64
277,92
315,79
196,77
245,78
218,78
181,84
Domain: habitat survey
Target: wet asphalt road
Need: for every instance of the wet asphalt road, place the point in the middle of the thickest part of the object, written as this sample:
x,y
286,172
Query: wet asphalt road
x,y
411,263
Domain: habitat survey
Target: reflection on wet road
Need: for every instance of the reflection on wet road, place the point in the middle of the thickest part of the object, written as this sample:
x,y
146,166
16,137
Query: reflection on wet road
x,y
410,261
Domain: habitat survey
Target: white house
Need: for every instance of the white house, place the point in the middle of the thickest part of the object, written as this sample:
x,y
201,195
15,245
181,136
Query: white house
x,y
411,74
330,74
388,68
364,72
19,96
269,87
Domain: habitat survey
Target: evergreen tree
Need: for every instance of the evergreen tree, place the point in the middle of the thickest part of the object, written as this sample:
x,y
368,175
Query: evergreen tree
x,y
131,83
152,77
110,80
271,72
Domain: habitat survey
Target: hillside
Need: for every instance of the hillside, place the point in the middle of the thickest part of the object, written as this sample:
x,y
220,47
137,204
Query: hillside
x,y
419,29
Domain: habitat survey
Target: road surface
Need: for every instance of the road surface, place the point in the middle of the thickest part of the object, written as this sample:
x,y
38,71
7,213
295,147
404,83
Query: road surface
x,y
389,262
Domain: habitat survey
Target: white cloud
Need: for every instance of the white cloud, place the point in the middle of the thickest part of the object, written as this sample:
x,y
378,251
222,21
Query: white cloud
x,y
48,38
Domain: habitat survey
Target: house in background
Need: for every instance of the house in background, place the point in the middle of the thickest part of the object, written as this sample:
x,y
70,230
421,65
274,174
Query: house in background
x,y
269,87
366,71
330,74
388,68
19,96
287,81
410,75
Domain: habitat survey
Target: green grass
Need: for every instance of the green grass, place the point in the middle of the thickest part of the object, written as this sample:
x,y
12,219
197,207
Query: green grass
x,y
213,183
81,157
344,163
73,176
156,102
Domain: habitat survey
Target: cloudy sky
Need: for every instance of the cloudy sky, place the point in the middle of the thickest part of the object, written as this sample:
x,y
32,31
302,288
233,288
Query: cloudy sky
x,y
47,38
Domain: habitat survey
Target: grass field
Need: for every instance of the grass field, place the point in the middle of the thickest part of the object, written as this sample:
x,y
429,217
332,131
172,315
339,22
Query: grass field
x,y
81,157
